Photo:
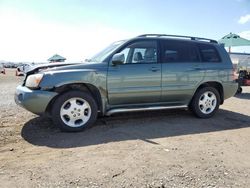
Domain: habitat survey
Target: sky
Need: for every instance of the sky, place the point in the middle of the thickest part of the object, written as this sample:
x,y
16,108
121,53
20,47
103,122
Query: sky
x,y
34,30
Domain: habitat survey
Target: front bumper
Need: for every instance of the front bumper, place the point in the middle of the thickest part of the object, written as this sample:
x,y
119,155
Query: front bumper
x,y
35,101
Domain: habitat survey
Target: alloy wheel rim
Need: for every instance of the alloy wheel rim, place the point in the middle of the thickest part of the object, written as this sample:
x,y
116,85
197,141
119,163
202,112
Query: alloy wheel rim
x,y
207,102
75,112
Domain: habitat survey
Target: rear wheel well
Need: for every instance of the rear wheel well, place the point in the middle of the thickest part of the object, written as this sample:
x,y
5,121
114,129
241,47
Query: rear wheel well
x,y
215,85
77,87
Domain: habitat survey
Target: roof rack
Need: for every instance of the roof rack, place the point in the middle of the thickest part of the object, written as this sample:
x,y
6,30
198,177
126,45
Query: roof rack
x,y
179,36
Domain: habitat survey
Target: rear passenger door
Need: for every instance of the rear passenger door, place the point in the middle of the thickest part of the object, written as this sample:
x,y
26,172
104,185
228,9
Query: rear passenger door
x,y
182,70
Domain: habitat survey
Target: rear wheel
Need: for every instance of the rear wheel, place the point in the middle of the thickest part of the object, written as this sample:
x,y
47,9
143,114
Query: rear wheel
x,y
74,111
205,102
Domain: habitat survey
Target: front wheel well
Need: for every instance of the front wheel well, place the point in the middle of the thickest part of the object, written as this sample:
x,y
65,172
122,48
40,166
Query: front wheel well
x,y
77,87
218,86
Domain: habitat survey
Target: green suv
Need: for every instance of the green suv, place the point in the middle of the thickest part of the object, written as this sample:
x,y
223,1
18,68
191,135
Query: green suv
x,y
148,72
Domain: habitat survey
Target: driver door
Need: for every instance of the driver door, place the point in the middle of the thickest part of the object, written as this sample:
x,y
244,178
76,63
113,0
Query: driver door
x,y
138,79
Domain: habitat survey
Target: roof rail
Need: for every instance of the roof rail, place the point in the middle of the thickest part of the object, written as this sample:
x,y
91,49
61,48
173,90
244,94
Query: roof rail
x,y
178,36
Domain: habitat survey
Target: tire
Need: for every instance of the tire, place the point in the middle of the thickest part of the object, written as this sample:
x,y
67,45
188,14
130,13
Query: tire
x,y
239,90
205,102
74,111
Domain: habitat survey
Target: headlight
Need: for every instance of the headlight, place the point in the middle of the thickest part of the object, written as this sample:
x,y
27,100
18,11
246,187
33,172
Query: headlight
x,y
33,80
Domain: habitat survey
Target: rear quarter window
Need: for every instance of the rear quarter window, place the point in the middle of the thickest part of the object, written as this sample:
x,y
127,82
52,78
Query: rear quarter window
x,y
209,53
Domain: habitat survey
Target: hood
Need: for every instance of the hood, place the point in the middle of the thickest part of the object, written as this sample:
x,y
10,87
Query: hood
x,y
66,66
81,66
42,67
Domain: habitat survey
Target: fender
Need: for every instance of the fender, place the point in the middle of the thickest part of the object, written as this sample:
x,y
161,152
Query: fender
x,y
56,79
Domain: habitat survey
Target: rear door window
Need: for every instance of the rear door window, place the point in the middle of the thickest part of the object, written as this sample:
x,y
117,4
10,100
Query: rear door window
x,y
209,53
179,52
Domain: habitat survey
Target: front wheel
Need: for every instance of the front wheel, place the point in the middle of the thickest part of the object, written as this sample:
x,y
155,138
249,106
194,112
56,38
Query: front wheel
x,y
74,111
205,102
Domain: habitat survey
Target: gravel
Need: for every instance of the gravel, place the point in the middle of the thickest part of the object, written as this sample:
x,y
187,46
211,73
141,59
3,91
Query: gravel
x,y
146,149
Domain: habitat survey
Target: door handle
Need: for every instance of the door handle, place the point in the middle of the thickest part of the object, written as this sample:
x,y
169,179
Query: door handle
x,y
195,68
154,69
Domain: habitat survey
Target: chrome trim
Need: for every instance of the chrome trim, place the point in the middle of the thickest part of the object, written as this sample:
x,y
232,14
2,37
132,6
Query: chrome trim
x,y
120,110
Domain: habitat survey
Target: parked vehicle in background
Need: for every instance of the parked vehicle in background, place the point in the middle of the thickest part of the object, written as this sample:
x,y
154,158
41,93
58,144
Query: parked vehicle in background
x,y
244,74
9,65
22,69
149,72
2,69
19,71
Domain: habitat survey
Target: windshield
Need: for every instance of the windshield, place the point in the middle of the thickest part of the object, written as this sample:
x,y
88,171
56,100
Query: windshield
x,y
102,55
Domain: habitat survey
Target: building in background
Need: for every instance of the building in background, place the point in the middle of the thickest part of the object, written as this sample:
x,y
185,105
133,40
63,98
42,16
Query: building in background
x,y
56,59
238,57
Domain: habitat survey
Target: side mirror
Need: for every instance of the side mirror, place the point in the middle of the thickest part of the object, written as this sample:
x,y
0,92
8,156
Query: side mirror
x,y
118,59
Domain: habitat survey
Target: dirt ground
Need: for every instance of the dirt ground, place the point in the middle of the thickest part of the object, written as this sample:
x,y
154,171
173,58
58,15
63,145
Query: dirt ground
x,y
149,149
